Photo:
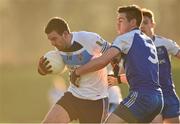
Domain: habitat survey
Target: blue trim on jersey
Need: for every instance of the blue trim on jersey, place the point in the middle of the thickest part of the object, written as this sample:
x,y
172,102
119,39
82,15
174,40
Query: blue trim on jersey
x,y
77,58
105,47
116,48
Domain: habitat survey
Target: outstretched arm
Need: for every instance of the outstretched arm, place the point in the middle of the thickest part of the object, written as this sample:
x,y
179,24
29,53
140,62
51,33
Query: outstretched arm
x,y
98,63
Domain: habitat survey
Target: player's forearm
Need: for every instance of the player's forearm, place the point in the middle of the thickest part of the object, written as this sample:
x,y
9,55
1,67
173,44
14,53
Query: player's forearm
x,y
123,79
93,65
98,63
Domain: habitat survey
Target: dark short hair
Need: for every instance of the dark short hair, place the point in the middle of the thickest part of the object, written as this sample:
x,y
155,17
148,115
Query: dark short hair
x,y
132,12
148,13
57,24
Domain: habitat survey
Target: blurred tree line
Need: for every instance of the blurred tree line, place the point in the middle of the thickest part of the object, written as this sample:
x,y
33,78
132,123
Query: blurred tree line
x,y
23,93
22,22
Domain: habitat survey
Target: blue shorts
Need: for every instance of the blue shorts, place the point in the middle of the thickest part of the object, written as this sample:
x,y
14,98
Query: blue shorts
x,y
171,105
140,106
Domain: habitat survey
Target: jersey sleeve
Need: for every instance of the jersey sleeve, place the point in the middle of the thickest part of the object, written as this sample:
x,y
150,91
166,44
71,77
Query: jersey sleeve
x,y
94,42
172,47
123,43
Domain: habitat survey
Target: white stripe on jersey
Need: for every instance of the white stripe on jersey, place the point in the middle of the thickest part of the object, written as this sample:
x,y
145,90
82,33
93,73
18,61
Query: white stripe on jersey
x,y
132,99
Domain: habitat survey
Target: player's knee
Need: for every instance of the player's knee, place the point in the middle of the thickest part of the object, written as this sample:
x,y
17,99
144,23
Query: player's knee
x,y
57,115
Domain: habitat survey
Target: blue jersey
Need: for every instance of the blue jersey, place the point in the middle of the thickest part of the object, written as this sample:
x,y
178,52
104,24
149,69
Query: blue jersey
x,y
140,60
165,47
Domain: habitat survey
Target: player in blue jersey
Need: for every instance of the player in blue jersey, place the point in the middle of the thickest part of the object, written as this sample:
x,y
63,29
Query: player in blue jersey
x,y
145,100
165,47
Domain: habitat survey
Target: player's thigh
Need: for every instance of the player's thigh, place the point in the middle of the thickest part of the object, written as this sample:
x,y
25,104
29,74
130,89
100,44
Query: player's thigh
x,y
70,103
171,107
158,119
113,118
171,120
57,114
124,114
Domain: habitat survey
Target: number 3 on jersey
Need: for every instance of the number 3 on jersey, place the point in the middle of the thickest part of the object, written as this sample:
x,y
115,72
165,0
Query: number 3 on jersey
x,y
153,58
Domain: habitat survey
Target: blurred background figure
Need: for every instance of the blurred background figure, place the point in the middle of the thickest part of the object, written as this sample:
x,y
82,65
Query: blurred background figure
x,y
22,41
115,96
165,48
57,90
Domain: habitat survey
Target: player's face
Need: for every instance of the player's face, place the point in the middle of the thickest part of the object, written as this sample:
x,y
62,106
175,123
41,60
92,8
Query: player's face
x,y
147,25
59,41
123,25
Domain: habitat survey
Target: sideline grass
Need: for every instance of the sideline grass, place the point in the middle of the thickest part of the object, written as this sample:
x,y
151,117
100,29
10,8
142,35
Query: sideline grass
x,y
23,92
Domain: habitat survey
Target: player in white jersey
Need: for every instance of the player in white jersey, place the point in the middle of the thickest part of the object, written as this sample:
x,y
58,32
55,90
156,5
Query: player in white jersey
x,y
87,101
145,99
165,47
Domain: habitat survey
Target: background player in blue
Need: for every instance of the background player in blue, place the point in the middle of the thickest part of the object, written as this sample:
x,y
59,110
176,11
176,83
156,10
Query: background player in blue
x,y
87,101
144,101
165,47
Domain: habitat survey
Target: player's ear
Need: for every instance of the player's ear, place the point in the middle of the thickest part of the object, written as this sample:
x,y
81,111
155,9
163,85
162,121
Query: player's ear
x,y
65,34
154,24
133,22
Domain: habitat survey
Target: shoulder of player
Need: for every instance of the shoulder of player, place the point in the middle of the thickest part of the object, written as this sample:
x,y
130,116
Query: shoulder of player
x,y
162,41
85,35
125,37
163,38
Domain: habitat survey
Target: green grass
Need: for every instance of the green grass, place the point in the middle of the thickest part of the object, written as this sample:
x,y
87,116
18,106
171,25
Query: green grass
x,y
176,74
23,92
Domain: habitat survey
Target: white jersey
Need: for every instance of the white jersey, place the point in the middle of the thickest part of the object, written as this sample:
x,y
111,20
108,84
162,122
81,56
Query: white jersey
x,y
171,46
165,47
85,47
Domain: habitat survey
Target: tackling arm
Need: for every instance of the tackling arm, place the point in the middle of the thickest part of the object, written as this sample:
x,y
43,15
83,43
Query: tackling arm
x,y
98,63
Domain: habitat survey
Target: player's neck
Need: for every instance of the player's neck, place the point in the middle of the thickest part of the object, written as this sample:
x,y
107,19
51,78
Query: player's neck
x,y
152,37
151,34
69,39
